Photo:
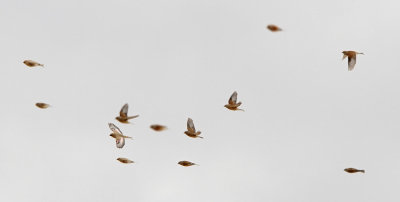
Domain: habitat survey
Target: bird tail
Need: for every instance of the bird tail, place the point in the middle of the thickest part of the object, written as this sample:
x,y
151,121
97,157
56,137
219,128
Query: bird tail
x,y
363,171
42,65
132,117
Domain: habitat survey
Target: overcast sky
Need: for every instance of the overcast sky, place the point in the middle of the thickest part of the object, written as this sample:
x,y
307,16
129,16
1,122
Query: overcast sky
x,y
306,116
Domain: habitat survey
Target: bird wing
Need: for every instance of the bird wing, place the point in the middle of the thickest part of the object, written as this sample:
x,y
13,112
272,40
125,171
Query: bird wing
x,y
233,98
351,62
120,142
114,128
190,126
124,111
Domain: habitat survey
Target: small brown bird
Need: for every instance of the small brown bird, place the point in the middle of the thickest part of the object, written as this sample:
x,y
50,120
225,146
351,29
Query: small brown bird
x,y
117,134
157,127
123,115
232,104
351,62
124,160
31,63
353,170
186,163
274,28
191,130
42,105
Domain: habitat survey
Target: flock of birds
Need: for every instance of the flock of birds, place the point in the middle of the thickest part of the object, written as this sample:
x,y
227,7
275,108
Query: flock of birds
x,y
191,131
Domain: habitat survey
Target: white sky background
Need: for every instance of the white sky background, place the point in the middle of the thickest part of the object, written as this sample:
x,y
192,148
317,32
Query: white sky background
x,y
307,118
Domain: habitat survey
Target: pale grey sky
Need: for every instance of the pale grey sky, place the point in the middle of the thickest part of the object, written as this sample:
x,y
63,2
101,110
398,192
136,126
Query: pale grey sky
x,y
307,118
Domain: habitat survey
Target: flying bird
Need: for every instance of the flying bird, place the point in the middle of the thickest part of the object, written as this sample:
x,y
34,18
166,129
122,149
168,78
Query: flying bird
x,y
351,61
353,170
124,160
191,130
186,163
123,115
42,105
274,28
232,102
31,63
158,127
117,134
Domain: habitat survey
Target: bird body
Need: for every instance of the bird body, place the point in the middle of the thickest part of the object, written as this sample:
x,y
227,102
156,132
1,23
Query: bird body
x,y
353,170
232,103
351,61
158,127
117,134
191,130
124,160
186,163
274,28
123,115
31,63
42,105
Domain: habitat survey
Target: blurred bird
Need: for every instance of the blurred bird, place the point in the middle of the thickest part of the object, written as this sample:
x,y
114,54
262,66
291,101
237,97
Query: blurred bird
x,y
42,105
117,134
191,130
31,63
232,105
274,28
186,163
351,58
353,170
123,115
124,160
157,127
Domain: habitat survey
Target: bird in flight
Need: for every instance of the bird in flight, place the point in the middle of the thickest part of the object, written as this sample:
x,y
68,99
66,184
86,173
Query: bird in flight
x,y
191,130
42,105
274,28
117,134
353,170
351,58
158,127
232,102
186,163
123,115
124,160
31,63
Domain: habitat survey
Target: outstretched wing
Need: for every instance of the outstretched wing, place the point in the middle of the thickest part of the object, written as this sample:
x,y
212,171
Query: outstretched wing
x,y
351,62
124,111
233,98
114,128
190,126
120,142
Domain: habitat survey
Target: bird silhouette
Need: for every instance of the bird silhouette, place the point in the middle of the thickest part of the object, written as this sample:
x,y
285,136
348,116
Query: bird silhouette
x,y
123,115
353,170
274,28
158,127
351,55
232,103
124,160
191,130
42,105
186,163
117,134
31,63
